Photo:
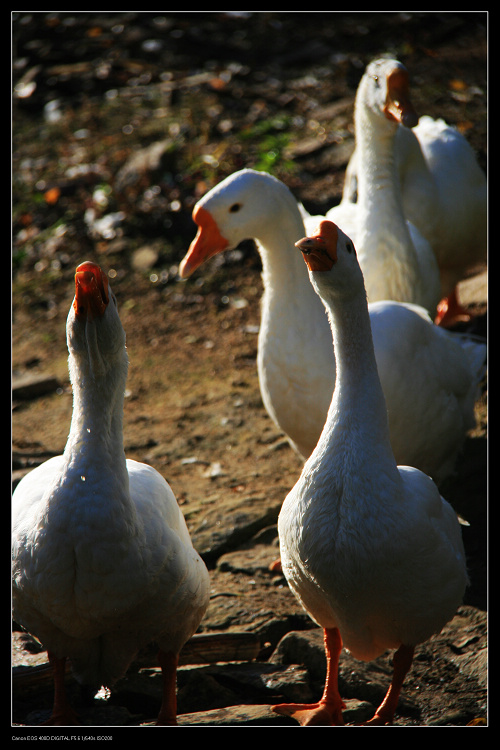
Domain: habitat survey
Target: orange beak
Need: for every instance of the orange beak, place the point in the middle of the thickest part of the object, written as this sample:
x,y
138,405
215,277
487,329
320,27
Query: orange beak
x,y
398,104
91,291
207,243
320,250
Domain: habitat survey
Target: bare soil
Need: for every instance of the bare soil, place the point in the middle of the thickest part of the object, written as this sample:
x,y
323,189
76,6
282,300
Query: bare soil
x,y
221,91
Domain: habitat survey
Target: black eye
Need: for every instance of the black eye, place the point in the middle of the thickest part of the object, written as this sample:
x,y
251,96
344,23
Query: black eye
x,y
235,208
375,78
349,247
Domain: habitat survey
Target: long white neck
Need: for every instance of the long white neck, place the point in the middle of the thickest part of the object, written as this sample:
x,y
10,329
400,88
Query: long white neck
x,y
287,289
96,434
283,270
356,431
385,248
295,352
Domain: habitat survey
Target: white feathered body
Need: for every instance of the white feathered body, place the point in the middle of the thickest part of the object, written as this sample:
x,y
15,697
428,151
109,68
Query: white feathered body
x,y
102,559
381,565
444,194
95,582
367,546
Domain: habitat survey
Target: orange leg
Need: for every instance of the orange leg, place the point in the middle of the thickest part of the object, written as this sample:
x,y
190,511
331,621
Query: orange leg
x,y
450,311
385,712
62,713
168,711
328,711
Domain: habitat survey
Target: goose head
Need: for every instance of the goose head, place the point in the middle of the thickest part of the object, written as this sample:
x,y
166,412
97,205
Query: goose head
x,y
384,91
95,335
332,262
237,209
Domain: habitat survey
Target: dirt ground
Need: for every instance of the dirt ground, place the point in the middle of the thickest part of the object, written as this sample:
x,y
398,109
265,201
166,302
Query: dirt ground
x,y
94,96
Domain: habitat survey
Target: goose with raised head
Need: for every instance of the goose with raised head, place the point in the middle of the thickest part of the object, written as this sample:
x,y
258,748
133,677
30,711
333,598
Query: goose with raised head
x,y
430,378
397,261
103,563
443,192
370,549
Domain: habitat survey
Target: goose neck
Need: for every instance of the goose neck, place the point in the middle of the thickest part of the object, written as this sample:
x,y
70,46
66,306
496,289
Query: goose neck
x,y
97,423
378,178
356,426
284,273
282,264
354,352
384,243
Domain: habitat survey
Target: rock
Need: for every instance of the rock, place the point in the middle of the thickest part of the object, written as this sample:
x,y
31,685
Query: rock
x,y
263,715
242,715
32,386
476,665
207,648
254,556
304,647
228,525
233,683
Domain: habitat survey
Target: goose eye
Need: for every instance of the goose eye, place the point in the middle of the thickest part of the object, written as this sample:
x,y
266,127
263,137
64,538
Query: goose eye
x,y
375,78
235,208
349,247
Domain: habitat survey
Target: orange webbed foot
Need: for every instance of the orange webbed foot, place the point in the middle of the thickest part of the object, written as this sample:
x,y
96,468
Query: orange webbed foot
x,y
377,721
312,714
328,711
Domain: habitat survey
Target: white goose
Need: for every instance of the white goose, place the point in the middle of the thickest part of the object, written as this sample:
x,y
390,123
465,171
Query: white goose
x,y
397,261
443,190
103,563
430,378
371,550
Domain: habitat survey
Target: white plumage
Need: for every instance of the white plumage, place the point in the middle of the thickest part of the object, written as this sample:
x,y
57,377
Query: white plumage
x,y
102,559
395,256
369,548
443,191
430,377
